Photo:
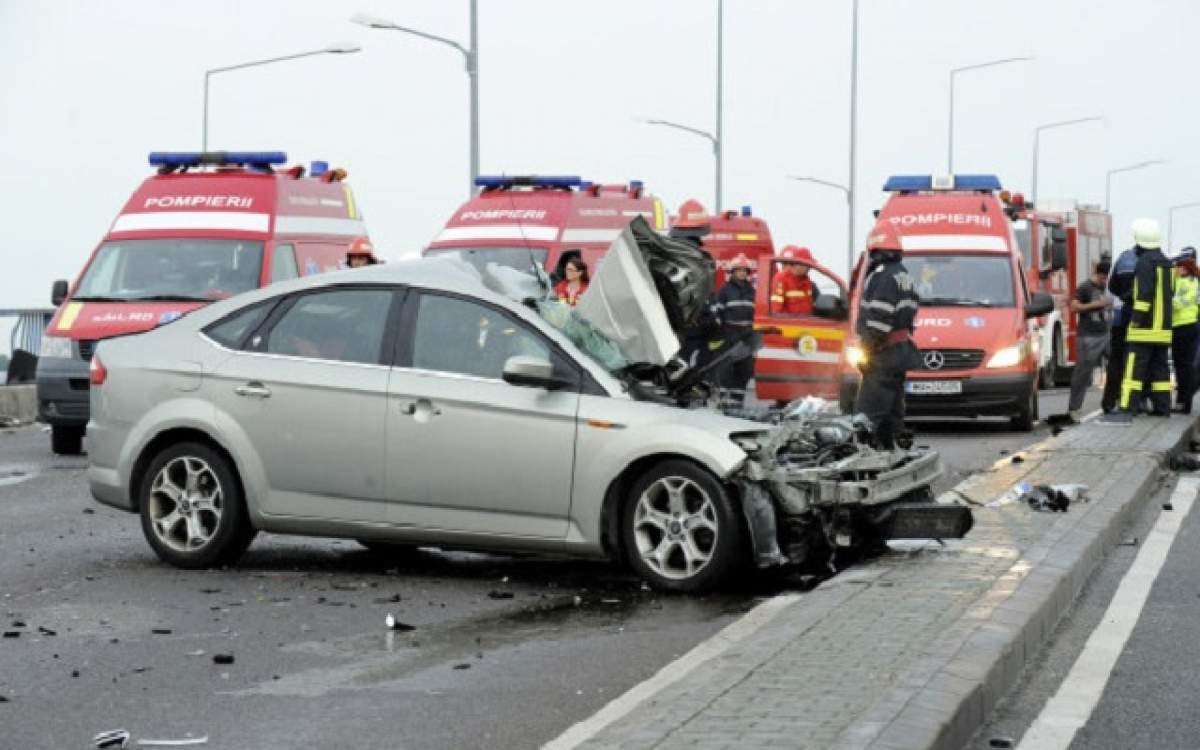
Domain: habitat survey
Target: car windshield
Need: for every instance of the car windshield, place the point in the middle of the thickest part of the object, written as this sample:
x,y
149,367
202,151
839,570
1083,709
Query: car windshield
x,y
962,280
171,269
520,258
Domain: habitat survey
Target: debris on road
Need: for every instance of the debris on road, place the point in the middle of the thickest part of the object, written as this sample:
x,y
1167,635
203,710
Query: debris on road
x,y
1018,459
222,658
174,743
117,738
12,633
1130,542
1001,742
46,631
394,624
1185,462
393,599
462,666
500,594
160,631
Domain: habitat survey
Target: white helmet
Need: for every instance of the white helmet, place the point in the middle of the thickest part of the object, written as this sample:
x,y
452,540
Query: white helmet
x,y
1146,234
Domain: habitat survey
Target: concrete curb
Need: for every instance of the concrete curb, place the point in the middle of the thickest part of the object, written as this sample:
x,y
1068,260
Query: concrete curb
x,y
18,402
943,700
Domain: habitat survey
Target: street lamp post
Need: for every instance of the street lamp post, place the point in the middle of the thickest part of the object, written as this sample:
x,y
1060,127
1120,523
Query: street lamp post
x,y
712,139
849,203
1109,175
471,60
1037,140
852,177
953,73
1171,220
342,48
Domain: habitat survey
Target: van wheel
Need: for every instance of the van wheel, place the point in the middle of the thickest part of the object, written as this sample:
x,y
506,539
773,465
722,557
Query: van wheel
x,y
681,529
192,509
66,440
1027,415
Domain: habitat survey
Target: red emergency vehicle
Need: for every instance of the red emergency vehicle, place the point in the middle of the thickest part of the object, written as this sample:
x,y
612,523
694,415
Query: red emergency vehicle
x,y
801,353
206,226
516,220
725,235
975,329
1060,242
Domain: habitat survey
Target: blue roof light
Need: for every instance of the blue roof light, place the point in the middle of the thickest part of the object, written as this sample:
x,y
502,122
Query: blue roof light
x,y
746,211
318,168
918,182
636,185
177,159
497,182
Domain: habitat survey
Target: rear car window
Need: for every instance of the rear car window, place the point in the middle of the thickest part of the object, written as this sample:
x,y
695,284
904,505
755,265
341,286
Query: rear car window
x,y
232,330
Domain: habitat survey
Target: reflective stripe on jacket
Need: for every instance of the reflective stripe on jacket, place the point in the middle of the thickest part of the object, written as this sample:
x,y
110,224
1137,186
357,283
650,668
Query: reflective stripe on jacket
x,y
888,304
1151,299
792,294
734,307
1184,310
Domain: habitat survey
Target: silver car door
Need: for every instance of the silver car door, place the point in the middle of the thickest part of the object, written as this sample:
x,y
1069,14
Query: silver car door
x,y
466,450
307,398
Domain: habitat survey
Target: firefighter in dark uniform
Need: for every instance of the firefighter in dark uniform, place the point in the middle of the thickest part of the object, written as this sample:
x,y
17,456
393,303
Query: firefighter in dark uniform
x,y
734,308
1148,338
885,325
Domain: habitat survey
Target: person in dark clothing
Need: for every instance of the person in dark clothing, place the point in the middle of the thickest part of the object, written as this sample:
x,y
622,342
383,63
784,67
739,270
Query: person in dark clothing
x,y
1148,338
1183,331
1120,286
1092,305
885,325
734,308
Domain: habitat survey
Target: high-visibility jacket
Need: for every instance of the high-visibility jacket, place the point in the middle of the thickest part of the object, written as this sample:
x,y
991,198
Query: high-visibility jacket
x,y
1186,307
888,304
793,294
1151,299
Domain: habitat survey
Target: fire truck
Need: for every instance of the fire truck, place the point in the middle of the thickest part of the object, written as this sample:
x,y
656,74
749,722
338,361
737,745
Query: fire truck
x,y
521,220
725,235
1059,241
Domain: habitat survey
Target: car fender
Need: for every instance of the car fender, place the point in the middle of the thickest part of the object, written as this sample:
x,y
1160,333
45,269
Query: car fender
x,y
172,414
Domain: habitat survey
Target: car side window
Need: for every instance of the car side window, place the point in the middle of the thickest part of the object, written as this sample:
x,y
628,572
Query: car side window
x,y
346,325
283,263
231,330
466,338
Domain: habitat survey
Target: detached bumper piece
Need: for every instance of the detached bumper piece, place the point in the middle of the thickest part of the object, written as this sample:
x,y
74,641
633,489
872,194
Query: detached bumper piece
x,y
923,521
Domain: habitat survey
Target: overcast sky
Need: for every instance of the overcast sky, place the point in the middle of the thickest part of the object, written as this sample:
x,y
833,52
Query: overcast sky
x,y
88,88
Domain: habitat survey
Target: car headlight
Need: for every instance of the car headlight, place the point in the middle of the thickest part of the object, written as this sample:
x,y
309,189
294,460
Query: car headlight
x,y
1009,356
855,355
56,346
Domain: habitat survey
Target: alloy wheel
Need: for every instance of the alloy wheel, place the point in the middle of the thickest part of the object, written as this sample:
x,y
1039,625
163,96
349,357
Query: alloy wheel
x,y
675,526
186,502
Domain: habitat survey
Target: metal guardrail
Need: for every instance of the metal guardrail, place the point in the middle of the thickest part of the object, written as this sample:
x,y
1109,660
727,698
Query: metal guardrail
x,y
27,333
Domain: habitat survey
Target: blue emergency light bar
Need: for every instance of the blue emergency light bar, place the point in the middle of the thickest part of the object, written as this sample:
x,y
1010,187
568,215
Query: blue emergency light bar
x,y
747,211
908,183
498,182
178,159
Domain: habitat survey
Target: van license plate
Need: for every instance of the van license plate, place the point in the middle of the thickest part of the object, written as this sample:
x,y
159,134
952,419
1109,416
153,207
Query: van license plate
x,y
933,386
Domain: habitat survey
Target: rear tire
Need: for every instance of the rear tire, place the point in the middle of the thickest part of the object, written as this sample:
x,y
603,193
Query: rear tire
x,y
681,530
66,440
1027,415
192,508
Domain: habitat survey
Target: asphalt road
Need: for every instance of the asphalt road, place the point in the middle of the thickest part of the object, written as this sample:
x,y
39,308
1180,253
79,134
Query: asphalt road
x,y
506,652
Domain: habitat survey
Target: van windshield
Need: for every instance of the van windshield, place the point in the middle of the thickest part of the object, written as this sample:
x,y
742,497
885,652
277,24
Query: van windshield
x,y
520,258
962,280
171,269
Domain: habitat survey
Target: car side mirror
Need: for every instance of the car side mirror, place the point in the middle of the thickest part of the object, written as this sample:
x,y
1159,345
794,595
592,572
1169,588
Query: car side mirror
x,y
830,307
1040,304
58,292
532,372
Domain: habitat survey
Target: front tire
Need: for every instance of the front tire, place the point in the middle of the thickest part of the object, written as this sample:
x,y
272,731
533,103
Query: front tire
x,y
1027,415
681,530
192,508
66,440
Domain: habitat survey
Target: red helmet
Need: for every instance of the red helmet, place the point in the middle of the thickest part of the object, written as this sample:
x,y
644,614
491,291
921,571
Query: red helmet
x,y
796,255
741,261
884,237
692,215
362,246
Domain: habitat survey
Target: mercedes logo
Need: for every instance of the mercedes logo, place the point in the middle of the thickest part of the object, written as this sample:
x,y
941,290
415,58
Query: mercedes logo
x,y
934,360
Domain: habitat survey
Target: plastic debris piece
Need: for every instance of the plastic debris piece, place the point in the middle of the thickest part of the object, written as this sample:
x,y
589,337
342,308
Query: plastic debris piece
x,y
174,743
1018,459
222,658
89,511
18,623
12,633
1016,492
1130,542
117,738
462,666
500,594
3,699
160,631
393,599
197,652
394,624
1185,462
46,631
1000,742
1168,506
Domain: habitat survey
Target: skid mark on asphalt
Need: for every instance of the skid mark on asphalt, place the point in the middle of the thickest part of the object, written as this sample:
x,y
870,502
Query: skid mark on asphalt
x,y
1072,706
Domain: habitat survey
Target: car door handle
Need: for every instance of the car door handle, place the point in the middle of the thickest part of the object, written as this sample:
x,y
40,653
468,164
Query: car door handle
x,y
253,389
422,408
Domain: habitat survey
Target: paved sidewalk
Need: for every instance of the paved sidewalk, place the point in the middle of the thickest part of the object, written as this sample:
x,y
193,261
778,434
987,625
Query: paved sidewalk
x,y
913,650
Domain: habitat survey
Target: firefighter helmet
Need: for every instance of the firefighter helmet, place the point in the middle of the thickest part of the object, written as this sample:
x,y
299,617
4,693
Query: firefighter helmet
x,y
1146,234
885,238
362,247
1186,255
692,215
794,254
740,261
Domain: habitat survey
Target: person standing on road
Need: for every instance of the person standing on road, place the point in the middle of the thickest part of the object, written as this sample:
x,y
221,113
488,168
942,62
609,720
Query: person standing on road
x,y
1148,338
1120,285
734,308
792,291
885,326
1183,331
1092,328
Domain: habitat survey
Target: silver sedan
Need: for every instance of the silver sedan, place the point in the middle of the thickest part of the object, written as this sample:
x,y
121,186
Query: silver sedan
x,y
407,404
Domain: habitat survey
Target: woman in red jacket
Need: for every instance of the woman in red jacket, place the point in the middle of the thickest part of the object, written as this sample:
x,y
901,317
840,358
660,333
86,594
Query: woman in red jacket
x,y
575,282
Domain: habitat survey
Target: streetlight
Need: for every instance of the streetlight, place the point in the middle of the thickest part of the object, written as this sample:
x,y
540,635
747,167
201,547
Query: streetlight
x,y
853,138
849,202
1171,220
953,73
714,140
1037,140
342,48
470,58
1118,170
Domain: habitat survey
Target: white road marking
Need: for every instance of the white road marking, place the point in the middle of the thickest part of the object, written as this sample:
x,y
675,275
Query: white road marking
x,y
1091,415
730,635
1069,709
